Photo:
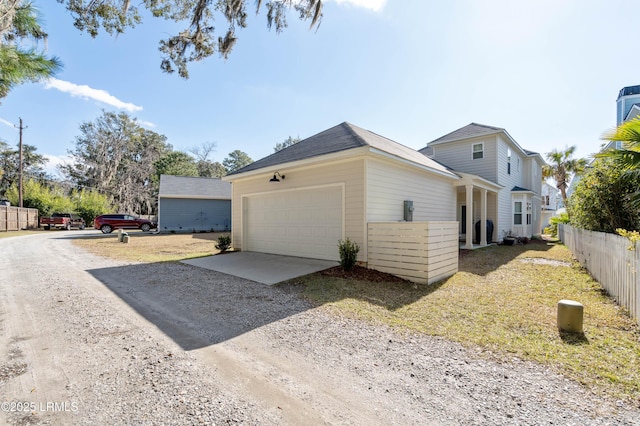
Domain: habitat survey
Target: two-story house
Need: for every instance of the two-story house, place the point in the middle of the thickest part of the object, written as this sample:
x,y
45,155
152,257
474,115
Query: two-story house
x,y
551,202
492,154
300,201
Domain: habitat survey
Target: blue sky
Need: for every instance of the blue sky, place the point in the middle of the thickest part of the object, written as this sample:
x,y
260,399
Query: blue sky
x,y
548,71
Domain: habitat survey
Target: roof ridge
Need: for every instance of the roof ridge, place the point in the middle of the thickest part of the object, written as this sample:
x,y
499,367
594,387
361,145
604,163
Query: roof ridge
x,y
353,132
485,125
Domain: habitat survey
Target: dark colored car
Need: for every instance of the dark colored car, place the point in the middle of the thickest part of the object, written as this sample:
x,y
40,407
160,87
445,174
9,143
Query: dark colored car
x,y
108,222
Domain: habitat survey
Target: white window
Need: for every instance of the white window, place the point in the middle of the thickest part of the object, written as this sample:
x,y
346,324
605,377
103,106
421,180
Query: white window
x,y
517,213
508,161
478,151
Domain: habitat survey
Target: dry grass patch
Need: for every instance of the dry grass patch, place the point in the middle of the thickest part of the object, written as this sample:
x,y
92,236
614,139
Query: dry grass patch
x,y
504,299
149,248
22,233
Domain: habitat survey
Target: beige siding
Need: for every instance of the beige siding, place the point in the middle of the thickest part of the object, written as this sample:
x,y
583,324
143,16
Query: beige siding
x,y
423,252
348,173
389,185
458,156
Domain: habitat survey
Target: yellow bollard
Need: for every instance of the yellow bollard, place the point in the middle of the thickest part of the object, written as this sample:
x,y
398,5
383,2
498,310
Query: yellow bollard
x,y
570,315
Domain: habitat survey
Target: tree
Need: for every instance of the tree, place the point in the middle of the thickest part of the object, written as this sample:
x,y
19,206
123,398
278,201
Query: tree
x,y
601,201
115,156
175,163
236,160
196,42
19,61
37,195
32,165
50,199
211,169
206,167
89,204
286,143
562,168
628,157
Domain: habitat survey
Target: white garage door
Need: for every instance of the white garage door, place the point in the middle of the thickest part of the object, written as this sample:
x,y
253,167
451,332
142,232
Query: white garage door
x,y
303,223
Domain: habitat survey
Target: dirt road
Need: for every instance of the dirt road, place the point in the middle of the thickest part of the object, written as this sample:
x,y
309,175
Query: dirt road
x,y
86,340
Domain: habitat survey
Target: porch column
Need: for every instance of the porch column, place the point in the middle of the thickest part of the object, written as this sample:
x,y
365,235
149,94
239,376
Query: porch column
x,y
469,235
483,217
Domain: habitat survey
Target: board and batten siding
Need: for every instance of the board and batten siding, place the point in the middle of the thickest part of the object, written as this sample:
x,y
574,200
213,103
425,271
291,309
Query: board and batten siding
x,y
459,156
422,252
349,173
193,215
388,186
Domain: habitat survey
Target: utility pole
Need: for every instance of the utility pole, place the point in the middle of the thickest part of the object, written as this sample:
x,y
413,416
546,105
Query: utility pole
x,y
20,204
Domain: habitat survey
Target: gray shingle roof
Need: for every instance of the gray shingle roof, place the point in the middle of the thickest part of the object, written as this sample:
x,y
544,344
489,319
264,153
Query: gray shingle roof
x,y
469,131
194,187
342,137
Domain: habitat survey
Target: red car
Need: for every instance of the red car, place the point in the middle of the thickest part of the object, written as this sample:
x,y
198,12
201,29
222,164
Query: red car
x,y
108,222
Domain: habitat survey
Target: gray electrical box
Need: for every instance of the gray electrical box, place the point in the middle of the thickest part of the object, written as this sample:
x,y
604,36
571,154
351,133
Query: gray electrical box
x,y
408,211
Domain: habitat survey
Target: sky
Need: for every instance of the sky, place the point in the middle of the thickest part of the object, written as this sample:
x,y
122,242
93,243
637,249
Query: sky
x,y
547,71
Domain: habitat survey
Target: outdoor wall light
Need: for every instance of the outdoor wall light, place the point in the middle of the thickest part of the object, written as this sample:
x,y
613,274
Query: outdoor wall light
x,y
275,179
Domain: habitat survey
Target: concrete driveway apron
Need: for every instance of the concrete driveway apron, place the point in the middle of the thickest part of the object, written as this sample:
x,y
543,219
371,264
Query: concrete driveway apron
x,y
261,267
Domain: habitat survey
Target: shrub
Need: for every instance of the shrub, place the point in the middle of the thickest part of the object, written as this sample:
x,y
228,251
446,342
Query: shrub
x,y
224,243
348,253
553,224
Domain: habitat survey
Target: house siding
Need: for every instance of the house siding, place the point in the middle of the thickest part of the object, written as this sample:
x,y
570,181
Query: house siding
x,y
388,186
349,173
505,199
193,215
458,156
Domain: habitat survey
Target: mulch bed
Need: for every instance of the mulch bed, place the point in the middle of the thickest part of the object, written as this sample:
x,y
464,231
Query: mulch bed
x,y
362,274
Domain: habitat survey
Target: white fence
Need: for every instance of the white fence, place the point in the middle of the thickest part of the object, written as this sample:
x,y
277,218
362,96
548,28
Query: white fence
x,y
423,252
611,260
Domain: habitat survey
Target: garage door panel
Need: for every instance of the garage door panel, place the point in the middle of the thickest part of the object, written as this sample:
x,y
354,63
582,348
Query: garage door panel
x,y
305,223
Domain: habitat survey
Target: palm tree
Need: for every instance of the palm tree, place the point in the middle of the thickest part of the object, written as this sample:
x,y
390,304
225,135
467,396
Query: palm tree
x,y
19,22
627,157
562,168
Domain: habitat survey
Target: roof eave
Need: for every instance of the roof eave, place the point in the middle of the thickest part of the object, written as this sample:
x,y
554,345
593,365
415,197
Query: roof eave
x,y
444,173
338,155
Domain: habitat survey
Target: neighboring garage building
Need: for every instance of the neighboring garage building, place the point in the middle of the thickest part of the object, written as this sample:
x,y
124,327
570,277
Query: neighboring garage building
x,y
193,204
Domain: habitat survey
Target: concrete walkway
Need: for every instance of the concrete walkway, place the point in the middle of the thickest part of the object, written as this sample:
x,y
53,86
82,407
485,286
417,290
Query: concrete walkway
x,y
261,267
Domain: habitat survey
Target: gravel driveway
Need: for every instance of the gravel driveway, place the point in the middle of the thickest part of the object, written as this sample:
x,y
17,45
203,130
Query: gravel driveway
x,y
86,340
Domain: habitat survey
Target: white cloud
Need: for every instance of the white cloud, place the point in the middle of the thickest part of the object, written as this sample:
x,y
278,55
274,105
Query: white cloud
x,y
87,92
375,5
54,161
147,124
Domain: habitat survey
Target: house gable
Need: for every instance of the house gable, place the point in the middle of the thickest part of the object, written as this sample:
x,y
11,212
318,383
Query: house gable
x,y
339,141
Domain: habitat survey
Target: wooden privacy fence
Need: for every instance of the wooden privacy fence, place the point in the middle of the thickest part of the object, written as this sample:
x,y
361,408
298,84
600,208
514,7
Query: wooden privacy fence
x,y
17,218
611,259
423,252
